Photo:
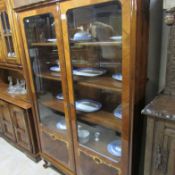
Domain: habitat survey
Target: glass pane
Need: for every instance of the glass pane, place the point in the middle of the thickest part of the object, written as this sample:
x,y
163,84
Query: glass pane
x,y
95,36
40,33
5,22
9,46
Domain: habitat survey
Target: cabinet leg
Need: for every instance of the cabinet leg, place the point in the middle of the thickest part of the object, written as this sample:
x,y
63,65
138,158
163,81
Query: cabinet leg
x,y
46,164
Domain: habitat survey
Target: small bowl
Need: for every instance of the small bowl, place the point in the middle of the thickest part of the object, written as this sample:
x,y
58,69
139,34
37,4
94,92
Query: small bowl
x,y
83,136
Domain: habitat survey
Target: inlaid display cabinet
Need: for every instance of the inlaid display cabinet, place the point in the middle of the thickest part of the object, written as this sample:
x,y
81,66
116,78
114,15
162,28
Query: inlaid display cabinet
x,y
87,68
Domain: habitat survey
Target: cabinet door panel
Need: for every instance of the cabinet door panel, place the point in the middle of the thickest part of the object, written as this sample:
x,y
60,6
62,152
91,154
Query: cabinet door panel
x,y
89,166
55,148
21,129
169,152
7,121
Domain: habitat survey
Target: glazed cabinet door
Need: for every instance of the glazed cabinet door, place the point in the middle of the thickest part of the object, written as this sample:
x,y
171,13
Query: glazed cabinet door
x,y
7,33
42,34
21,126
7,122
92,33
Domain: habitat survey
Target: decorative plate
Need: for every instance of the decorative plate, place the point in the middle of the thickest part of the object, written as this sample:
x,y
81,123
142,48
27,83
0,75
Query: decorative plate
x,y
60,96
87,105
89,72
61,125
52,40
55,68
117,76
114,148
116,38
82,36
118,111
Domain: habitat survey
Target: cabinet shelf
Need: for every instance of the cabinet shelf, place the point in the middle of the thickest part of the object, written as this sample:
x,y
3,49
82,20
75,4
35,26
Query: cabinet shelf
x,y
44,44
50,76
102,43
57,105
106,83
102,118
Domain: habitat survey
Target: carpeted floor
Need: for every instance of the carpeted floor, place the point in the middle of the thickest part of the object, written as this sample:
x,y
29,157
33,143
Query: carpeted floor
x,y
14,162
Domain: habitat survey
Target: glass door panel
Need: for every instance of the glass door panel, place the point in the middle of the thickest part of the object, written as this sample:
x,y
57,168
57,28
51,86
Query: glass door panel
x,y
95,37
41,38
7,34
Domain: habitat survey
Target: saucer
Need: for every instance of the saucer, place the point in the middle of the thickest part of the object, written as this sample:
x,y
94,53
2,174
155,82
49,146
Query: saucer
x,y
114,148
117,76
89,72
87,105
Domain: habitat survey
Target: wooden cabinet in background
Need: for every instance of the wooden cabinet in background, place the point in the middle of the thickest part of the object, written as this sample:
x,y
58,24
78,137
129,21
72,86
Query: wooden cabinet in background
x,y
16,124
160,136
160,148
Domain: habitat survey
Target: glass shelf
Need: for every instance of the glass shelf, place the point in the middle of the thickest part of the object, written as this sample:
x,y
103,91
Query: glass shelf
x,y
7,34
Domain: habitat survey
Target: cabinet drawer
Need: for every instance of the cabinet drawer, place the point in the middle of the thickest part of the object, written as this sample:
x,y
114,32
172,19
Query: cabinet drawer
x,y
89,165
55,148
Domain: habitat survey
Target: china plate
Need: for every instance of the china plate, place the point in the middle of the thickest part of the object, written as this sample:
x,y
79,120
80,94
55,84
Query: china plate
x,y
116,38
87,105
114,148
118,112
61,125
117,76
52,40
60,96
89,72
55,68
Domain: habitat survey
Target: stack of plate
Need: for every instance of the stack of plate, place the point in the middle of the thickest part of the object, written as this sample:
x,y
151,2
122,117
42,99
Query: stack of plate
x,y
89,72
55,68
87,105
114,148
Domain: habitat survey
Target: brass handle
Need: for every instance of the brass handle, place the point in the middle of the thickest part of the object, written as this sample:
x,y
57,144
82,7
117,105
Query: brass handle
x,y
97,160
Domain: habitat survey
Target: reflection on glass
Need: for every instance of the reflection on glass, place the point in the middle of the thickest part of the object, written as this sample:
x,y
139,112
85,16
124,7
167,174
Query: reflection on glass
x,y
40,33
95,36
7,34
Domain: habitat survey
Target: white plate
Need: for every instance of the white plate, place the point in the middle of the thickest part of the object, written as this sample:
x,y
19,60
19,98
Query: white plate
x,y
114,148
61,125
116,38
52,40
87,105
55,68
118,112
60,96
89,72
117,76
82,36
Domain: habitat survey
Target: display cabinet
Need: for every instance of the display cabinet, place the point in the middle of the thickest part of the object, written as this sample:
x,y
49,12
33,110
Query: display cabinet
x,y
41,31
87,69
8,41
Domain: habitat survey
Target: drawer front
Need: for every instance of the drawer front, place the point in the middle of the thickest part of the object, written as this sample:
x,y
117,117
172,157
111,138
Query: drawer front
x,y
55,148
89,165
